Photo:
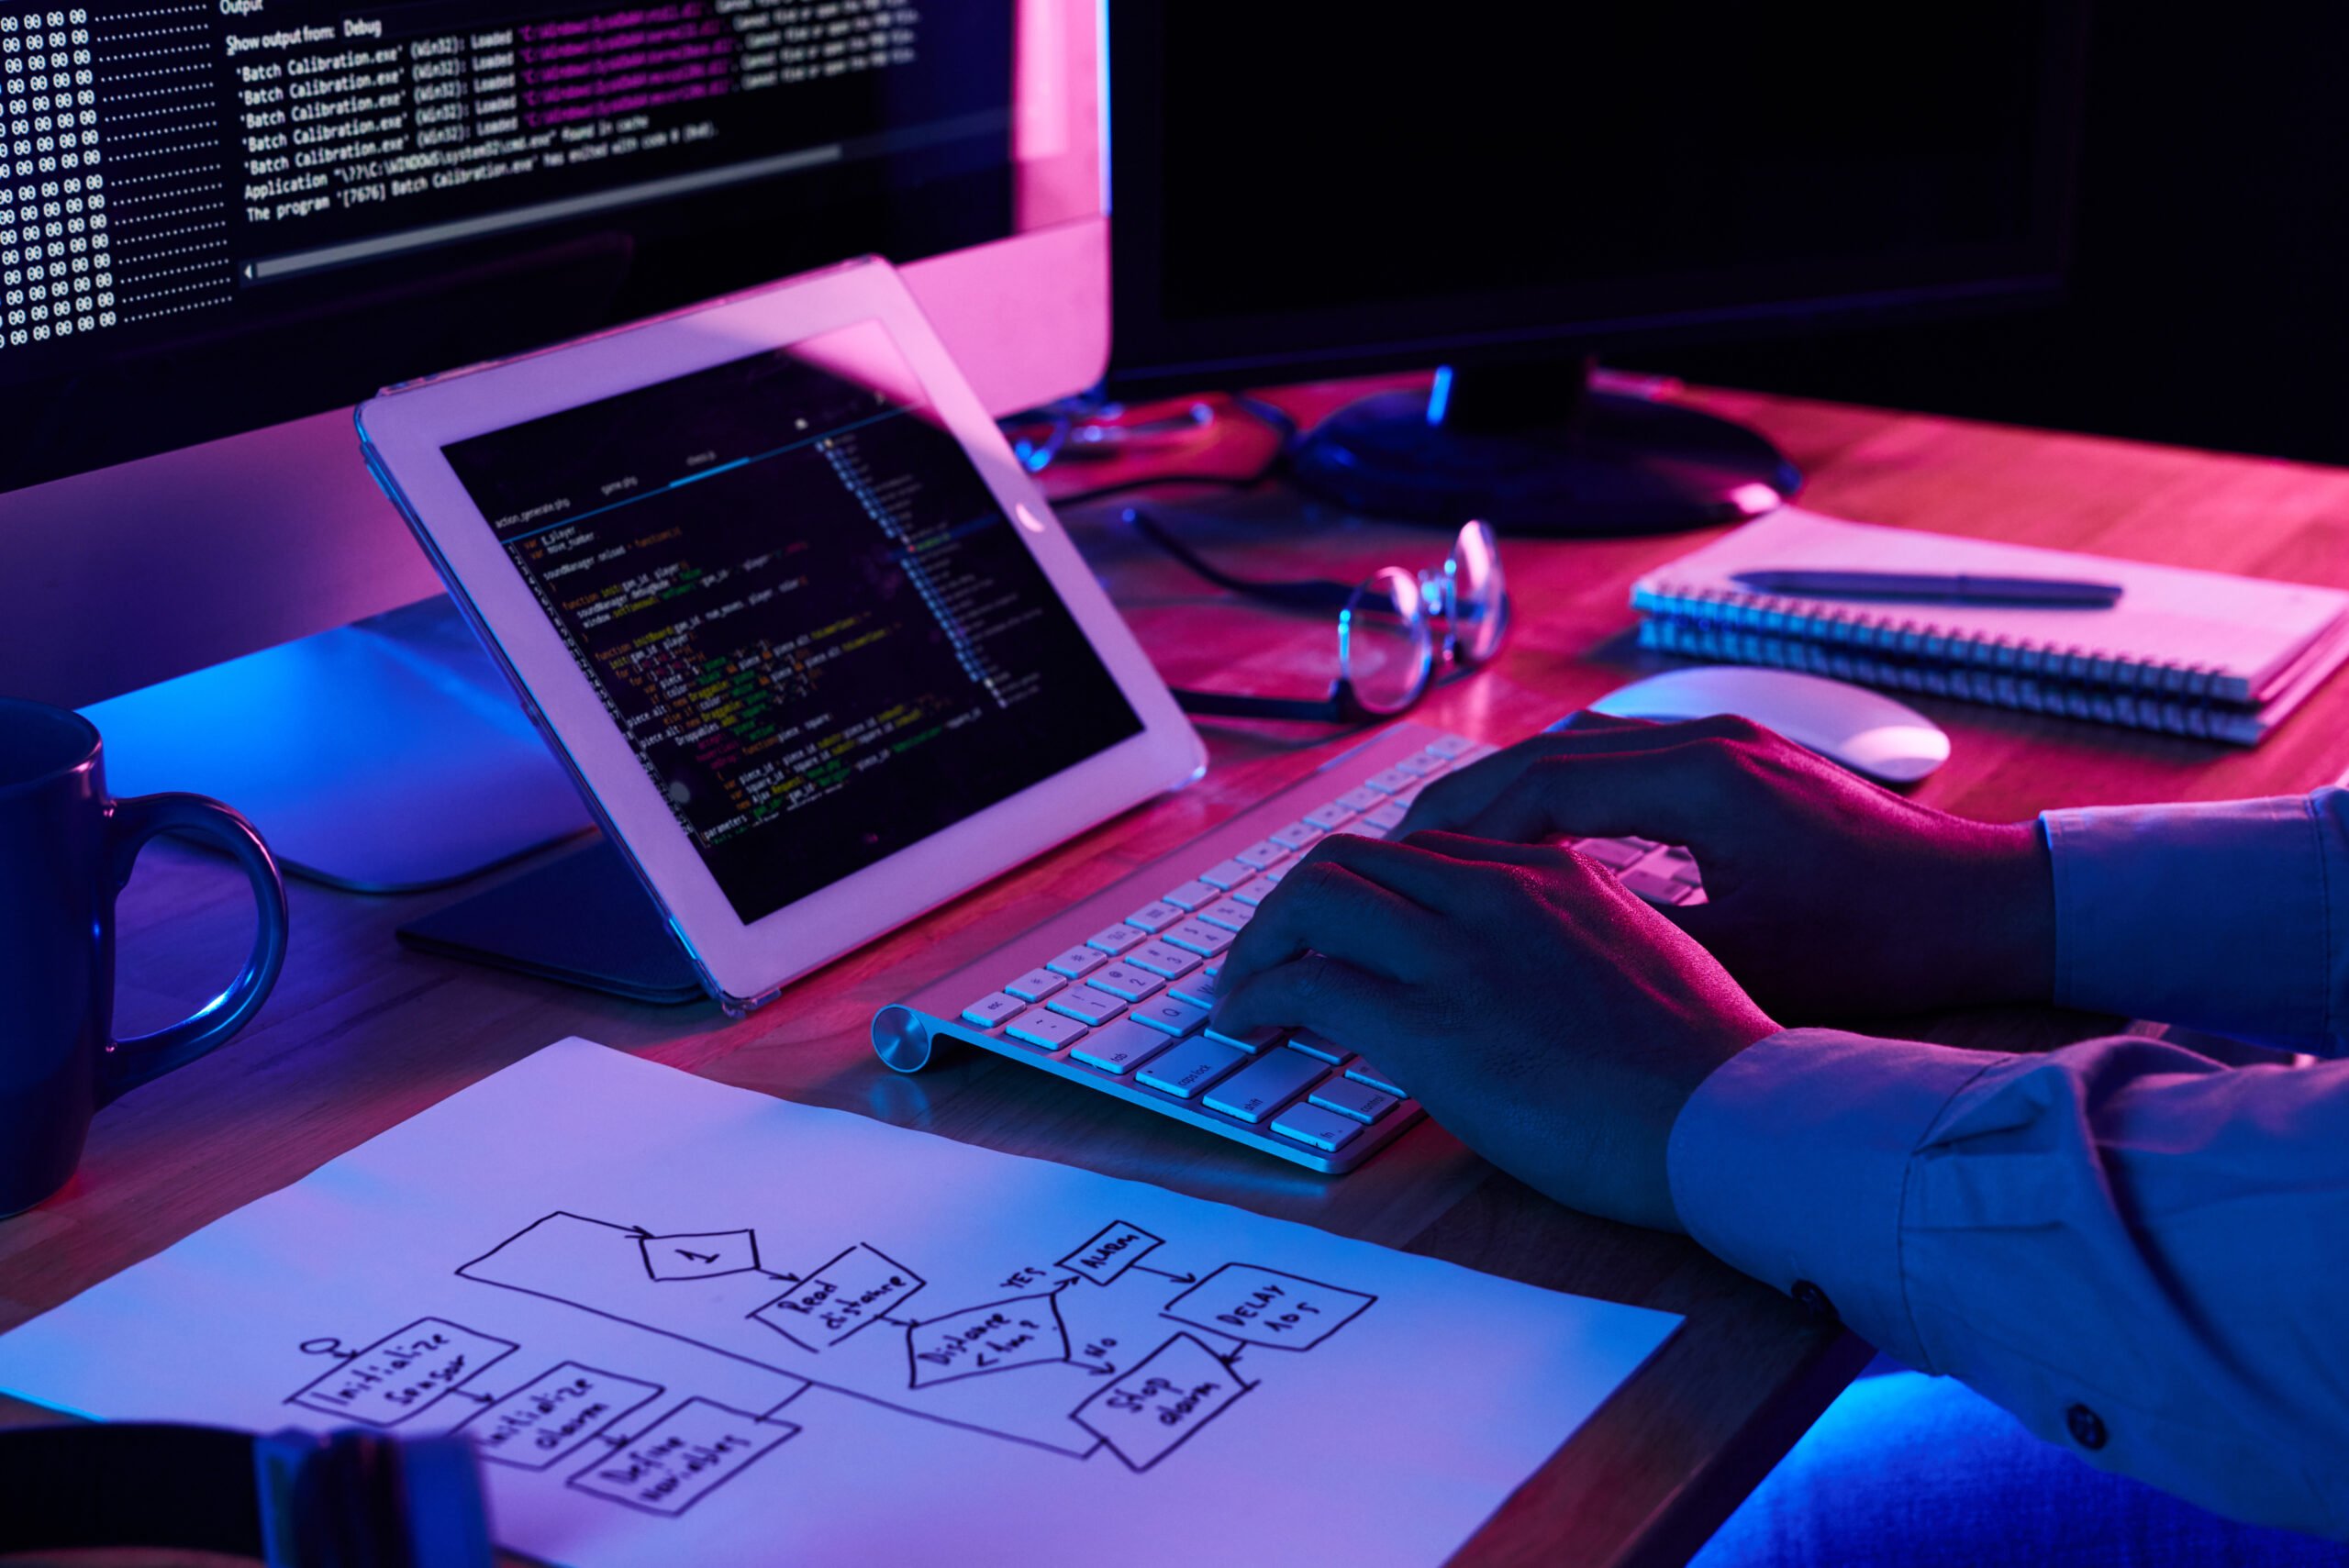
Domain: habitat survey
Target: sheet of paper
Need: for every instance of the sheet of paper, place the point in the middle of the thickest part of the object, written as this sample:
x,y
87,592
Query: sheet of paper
x,y
688,1323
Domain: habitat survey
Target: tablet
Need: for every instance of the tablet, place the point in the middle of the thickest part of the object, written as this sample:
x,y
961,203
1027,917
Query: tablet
x,y
766,576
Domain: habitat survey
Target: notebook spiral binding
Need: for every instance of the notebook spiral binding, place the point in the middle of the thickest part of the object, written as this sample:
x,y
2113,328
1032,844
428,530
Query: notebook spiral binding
x,y
1900,656
1907,637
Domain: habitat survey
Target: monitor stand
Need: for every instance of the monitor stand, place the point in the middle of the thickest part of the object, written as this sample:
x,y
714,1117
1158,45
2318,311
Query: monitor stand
x,y
387,756
1537,450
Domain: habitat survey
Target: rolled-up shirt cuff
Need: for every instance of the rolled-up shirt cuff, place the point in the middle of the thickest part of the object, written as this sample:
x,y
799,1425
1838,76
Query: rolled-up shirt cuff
x,y
2212,914
1790,1163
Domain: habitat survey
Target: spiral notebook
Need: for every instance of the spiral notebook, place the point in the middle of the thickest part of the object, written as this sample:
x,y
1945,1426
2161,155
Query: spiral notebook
x,y
2192,653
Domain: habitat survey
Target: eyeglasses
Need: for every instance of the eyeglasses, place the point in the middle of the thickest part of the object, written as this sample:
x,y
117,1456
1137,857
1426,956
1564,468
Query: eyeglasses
x,y
1387,627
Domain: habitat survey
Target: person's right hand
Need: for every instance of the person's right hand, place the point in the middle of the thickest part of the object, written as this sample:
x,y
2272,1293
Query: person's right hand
x,y
1827,895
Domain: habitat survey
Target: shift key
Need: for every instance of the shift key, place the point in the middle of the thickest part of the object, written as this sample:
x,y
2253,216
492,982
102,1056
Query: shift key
x,y
1266,1084
1192,1067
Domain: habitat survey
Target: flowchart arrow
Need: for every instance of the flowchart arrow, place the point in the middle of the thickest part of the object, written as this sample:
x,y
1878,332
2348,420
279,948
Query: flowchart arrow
x,y
1095,1371
638,1232
1161,1273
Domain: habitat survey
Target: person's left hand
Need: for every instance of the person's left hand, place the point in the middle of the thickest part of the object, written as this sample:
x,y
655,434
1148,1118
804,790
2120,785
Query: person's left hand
x,y
1550,1019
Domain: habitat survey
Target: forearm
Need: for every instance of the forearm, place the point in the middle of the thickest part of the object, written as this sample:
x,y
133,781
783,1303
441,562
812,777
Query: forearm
x,y
2121,1227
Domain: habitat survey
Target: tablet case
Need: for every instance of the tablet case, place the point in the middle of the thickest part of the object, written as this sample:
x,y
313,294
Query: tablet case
x,y
581,919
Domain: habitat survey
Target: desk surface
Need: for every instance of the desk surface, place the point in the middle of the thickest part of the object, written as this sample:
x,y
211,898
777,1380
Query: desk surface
x,y
360,1034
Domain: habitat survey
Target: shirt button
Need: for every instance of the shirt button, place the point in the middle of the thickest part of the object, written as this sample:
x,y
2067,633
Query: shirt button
x,y
2085,1425
1812,1299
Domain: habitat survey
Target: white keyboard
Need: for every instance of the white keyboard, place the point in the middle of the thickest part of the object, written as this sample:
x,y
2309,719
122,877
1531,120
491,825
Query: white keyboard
x,y
1114,992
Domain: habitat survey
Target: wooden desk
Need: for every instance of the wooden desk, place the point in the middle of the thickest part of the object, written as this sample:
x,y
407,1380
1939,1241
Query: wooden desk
x,y
360,1034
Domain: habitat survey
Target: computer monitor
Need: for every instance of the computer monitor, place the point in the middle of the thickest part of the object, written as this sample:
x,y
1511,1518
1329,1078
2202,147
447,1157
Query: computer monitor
x,y
1504,193
222,223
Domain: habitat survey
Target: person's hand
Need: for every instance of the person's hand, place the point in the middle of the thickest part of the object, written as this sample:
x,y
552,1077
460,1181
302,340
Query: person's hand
x,y
1827,894
1546,1016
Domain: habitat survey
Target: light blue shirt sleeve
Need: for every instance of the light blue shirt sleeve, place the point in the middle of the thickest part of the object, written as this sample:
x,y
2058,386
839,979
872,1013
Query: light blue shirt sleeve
x,y
2231,917
2140,1253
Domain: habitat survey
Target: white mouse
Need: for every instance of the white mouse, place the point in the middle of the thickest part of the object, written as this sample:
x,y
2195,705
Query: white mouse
x,y
1866,731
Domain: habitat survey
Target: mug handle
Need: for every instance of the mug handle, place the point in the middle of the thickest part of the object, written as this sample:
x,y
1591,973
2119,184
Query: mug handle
x,y
130,824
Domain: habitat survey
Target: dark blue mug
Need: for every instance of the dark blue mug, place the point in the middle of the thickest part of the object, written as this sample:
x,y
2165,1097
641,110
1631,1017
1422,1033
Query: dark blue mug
x,y
65,852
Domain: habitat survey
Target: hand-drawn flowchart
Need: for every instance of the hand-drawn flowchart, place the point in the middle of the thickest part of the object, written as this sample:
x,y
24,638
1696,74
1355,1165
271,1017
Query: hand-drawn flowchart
x,y
680,1321
1098,1349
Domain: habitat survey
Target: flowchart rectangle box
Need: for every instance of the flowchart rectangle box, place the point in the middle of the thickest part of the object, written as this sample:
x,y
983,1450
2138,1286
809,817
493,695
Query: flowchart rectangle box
x,y
552,1414
852,1291
682,1457
1151,1409
1114,1249
1265,1306
402,1372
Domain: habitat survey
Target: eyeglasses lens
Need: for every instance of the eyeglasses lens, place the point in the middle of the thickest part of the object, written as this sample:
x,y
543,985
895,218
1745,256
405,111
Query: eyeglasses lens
x,y
1479,604
1386,645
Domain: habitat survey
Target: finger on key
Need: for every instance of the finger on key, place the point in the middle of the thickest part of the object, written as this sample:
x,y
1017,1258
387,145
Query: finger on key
x,y
1451,801
1323,907
1681,794
1431,871
1331,998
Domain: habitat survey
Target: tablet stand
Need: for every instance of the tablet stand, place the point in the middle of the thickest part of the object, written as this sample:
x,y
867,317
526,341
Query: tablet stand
x,y
581,919
386,756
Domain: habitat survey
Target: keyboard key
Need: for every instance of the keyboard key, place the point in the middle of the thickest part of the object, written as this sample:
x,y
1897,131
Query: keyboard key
x,y
1261,1087
1347,1096
1229,913
1323,1046
1256,892
1361,1071
1329,814
1121,1047
1420,766
1311,1124
992,1009
1678,864
1361,827
1477,753
1077,962
1262,855
1191,894
1195,1065
1116,939
1035,986
1450,745
1394,780
1161,959
1227,875
1197,988
1199,937
1124,981
1255,1042
1295,836
1087,1006
1156,915
1279,873
1170,1014
1044,1029
1411,796
1613,853
1362,797
1390,815
1654,886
